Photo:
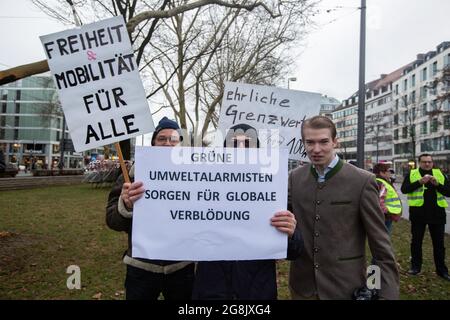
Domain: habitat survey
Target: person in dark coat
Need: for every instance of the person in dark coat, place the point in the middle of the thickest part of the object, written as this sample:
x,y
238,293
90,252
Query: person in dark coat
x,y
426,188
249,279
147,279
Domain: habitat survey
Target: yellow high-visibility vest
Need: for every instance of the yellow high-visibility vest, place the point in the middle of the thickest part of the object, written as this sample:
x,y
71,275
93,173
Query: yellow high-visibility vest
x,y
392,200
415,198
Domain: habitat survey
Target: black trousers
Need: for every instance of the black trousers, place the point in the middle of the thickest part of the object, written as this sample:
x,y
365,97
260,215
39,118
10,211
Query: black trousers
x,y
437,237
145,285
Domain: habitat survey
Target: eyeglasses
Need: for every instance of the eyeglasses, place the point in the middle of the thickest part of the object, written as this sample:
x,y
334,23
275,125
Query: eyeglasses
x,y
170,139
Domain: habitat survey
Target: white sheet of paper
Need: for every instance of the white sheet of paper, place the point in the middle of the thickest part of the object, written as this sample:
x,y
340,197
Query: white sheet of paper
x,y
114,105
186,229
264,107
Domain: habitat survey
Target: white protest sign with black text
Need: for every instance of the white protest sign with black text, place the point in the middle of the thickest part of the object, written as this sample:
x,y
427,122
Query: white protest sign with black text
x,y
203,204
269,108
98,83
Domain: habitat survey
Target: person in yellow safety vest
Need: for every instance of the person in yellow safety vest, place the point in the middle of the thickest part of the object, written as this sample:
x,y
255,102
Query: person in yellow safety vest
x,y
426,188
389,199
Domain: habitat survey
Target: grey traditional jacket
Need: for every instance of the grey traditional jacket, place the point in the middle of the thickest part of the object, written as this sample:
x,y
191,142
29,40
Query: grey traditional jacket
x,y
335,218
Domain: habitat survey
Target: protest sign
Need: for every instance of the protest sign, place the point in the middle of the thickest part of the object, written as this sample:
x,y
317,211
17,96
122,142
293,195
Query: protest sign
x,y
98,83
203,204
266,108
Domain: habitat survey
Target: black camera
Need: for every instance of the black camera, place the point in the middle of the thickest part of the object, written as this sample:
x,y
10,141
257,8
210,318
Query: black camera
x,y
365,293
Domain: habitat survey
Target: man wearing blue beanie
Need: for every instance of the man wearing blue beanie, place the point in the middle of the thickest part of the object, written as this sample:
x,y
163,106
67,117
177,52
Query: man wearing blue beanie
x,y
147,279
166,123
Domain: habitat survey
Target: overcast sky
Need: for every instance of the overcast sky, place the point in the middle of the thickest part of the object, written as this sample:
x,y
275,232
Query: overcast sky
x,y
397,30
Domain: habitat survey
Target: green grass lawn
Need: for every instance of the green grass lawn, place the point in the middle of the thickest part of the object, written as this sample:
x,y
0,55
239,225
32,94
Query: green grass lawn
x,y
43,231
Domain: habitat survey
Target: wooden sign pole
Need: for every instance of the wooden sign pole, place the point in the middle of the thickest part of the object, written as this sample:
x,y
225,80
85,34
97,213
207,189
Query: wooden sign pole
x,y
122,163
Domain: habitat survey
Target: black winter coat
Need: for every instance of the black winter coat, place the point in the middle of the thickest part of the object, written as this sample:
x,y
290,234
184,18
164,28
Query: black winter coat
x,y
242,280
430,212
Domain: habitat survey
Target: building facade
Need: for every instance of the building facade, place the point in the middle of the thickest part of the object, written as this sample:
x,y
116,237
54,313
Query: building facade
x,y
378,122
378,143
421,109
328,105
407,112
345,117
31,124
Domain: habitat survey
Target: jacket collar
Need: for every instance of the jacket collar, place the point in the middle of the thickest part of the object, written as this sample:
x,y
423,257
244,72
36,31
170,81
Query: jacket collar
x,y
330,173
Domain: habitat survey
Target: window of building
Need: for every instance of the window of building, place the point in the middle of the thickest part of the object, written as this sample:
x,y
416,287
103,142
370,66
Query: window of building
x,y
433,105
447,122
423,92
433,69
404,100
434,125
396,89
405,132
413,97
396,119
405,84
423,110
424,127
413,80
404,117
447,60
425,146
424,74
396,134
446,105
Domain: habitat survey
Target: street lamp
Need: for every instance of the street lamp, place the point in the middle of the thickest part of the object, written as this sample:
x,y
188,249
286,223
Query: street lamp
x,y
61,144
293,79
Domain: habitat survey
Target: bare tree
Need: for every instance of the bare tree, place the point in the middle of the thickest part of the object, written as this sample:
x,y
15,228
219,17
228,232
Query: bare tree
x,y
404,116
189,48
378,132
440,87
136,22
214,45
343,145
412,108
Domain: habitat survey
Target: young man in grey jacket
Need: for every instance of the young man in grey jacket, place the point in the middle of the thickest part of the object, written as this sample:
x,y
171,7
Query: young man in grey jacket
x,y
337,208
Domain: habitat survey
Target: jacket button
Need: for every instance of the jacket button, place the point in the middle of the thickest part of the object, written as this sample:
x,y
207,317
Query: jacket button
x,y
316,266
316,234
317,217
316,250
318,201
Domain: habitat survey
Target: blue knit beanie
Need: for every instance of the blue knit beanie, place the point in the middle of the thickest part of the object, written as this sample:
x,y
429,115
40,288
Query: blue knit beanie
x,y
165,123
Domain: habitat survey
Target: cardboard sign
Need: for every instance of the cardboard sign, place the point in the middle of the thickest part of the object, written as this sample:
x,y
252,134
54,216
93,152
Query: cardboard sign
x,y
203,204
276,113
98,83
